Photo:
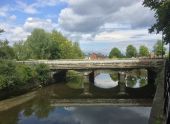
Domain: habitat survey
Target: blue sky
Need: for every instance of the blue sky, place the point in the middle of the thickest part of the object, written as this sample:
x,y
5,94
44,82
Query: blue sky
x,y
98,25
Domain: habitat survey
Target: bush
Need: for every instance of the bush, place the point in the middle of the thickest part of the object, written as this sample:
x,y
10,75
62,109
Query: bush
x,y
14,75
42,71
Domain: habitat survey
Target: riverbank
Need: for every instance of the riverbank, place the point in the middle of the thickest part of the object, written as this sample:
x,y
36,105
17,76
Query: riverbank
x,y
18,100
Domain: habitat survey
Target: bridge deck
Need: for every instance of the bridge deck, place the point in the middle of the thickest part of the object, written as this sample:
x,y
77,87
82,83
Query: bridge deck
x,y
98,64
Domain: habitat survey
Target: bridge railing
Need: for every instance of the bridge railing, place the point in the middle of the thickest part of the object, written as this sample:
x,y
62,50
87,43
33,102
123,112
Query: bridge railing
x,y
167,93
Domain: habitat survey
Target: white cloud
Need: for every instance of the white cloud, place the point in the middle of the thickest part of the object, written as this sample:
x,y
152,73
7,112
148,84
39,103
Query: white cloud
x,y
126,35
34,7
20,32
117,23
32,23
30,9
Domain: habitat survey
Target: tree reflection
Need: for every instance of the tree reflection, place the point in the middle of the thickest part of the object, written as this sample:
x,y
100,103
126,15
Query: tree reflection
x,y
114,76
40,106
136,78
131,81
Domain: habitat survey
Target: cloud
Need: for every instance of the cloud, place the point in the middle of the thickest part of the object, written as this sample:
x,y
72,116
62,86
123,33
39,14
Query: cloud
x,y
34,7
135,15
4,10
20,32
126,35
89,16
24,7
32,23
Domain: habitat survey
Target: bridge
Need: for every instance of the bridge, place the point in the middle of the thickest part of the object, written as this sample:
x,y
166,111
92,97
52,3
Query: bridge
x,y
157,74
98,64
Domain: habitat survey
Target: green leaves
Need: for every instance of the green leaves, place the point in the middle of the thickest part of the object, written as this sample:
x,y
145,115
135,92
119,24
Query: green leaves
x,y
162,15
43,45
115,52
131,51
14,75
143,51
159,48
6,52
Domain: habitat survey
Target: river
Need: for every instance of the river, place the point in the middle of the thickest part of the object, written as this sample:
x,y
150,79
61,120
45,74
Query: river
x,y
38,110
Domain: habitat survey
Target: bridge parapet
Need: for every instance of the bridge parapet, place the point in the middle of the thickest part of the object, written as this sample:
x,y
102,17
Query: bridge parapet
x,y
98,64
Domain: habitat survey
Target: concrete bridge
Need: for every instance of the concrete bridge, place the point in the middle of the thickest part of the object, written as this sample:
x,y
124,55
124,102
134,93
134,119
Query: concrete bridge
x,y
98,64
154,67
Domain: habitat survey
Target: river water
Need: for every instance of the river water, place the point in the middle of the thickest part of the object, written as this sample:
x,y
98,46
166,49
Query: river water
x,y
39,110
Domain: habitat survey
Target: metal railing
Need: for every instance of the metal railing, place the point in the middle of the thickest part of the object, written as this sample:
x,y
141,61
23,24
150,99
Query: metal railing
x,y
167,93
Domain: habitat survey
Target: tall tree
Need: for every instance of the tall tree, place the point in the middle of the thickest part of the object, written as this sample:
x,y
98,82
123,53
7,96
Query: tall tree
x,y
159,48
38,43
115,52
131,51
43,45
162,15
6,51
143,51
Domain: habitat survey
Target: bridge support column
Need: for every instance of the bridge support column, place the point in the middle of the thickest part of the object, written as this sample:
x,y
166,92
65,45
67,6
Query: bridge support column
x,y
91,77
122,83
86,84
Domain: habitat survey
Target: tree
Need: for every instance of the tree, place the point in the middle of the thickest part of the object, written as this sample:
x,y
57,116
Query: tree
x,y
44,45
6,52
131,51
115,52
162,15
38,44
67,48
143,51
159,48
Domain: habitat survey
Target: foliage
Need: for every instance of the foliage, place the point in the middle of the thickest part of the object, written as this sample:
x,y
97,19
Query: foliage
x,y
131,51
162,15
115,52
13,74
43,45
6,52
42,71
158,48
143,51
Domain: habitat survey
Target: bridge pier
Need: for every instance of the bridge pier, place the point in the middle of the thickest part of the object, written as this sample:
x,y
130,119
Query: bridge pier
x,y
92,76
122,83
86,84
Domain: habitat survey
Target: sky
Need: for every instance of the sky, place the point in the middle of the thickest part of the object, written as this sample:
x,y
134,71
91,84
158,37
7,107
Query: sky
x,y
98,25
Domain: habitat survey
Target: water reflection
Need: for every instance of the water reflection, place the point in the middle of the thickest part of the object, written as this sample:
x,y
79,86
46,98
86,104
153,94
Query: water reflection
x,y
104,80
136,78
39,110
79,115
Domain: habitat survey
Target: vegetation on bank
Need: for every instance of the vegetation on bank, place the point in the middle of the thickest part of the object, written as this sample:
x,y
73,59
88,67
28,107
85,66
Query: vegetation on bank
x,y
13,75
131,51
39,45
